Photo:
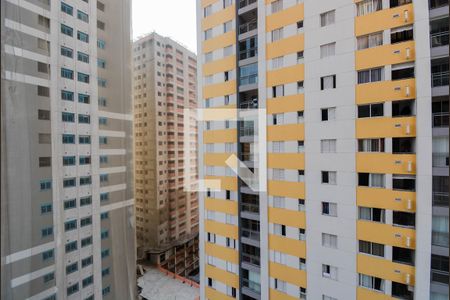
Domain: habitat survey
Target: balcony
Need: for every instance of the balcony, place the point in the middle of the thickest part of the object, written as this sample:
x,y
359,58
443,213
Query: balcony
x,y
248,26
440,199
248,48
386,234
287,217
382,268
372,162
250,204
440,160
286,161
439,39
251,255
385,55
287,189
386,90
439,79
292,275
253,286
244,3
386,127
288,132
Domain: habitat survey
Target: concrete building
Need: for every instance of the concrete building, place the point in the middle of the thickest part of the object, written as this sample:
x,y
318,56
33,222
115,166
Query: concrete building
x,y
166,213
351,150
67,207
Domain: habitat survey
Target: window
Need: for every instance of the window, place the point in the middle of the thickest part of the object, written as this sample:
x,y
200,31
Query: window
x,y
49,277
69,182
70,225
101,25
301,175
211,237
399,73
280,285
43,91
101,63
328,113
85,200
301,234
278,174
104,216
231,291
48,254
208,34
72,268
85,180
300,57
82,98
279,202
329,209
371,110
328,82
104,178
300,146
439,269
327,18
403,35
105,272
278,91
299,26
278,147
368,6
43,21
66,8
72,289
45,162
277,34
371,248
101,82
83,77
102,121
71,203
370,40
372,75
439,234
88,281
228,194
230,243
277,6
46,232
104,234
329,272
328,146
278,119
301,205
327,50
84,119
101,44
46,208
395,3
66,52
279,229
82,16
207,11
106,290
371,180
83,57
277,62
104,196
68,160
67,95
102,101
371,282
68,117
100,6
66,73
44,138
66,30
84,37
86,242
227,26
372,214
227,51
329,177
84,139
329,240
226,76
371,145
403,108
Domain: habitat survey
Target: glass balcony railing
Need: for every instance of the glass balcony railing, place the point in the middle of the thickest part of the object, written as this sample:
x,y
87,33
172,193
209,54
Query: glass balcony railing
x,y
250,207
248,53
440,160
249,104
438,276
439,79
439,39
251,259
254,286
249,26
253,78
440,119
440,199
439,238
247,131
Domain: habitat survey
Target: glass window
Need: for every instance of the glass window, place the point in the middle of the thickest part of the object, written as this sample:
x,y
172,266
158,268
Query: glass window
x,y
327,18
66,52
67,95
84,37
83,98
66,73
66,8
84,119
66,30
68,139
83,77
82,16
101,44
368,6
83,57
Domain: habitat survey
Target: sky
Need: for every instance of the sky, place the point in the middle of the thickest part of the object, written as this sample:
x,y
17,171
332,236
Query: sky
x,y
172,18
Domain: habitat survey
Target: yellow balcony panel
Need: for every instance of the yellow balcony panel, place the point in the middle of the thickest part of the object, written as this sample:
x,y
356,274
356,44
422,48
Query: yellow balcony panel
x,y
384,19
385,55
373,162
225,182
386,127
219,89
216,159
366,294
220,65
286,75
289,132
386,234
285,17
208,2
285,46
383,268
211,293
220,17
287,189
225,206
220,41
288,246
221,229
387,199
287,217
286,104
285,273
221,275
220,136
277,295
225,112
386,91
286,161
221,252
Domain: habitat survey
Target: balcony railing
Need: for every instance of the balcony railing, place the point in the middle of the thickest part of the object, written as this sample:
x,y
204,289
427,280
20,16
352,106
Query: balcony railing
x,y
440,198
253,78
440,119
439,239
247,131
439,276
247,53
250,234
244,3
439,79
247,156
440,160
251,259
439,39
249,104
249,26
250,207
254,286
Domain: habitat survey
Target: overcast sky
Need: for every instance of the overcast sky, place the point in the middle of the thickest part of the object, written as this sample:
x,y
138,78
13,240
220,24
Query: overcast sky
x,y
172,18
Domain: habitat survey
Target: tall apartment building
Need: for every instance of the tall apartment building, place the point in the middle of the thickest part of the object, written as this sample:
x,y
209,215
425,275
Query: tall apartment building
x,y
351,152
166,213
439,24
67,214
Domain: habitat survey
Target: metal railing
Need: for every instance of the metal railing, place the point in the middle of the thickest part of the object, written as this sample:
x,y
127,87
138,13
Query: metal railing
x,y
250,234
439,79
439,239
440,199
439,39
440,159
249,207
247,131
249,26
251,259
244,3
247,53
249,104
440,119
